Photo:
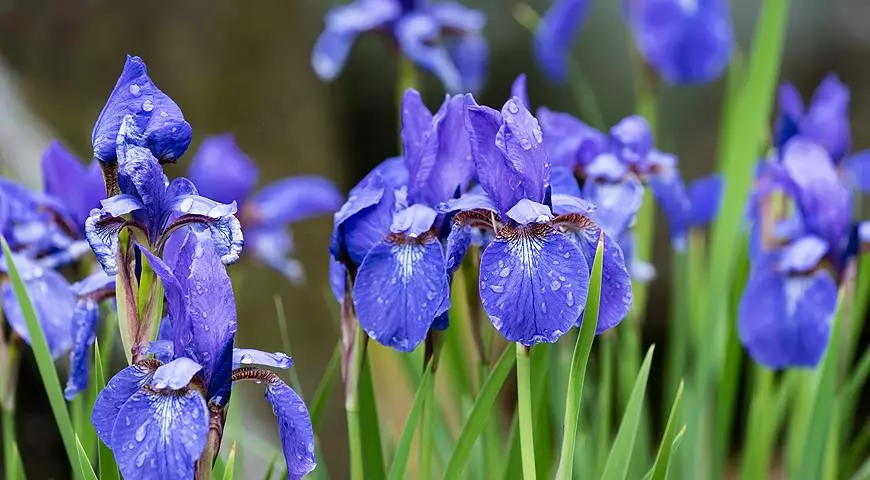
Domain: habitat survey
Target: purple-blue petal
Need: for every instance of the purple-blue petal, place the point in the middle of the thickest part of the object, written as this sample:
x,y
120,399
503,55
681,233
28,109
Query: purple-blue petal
x,y
419,143
176,374
470,53
414,220
570,142
606,167
616,203
399,290
826,121
520,139
294,428
631,139
785,321
79,188
365,229
789,113
533,287
670,193
84,332
250,356
519,90
458,242
453,168
556,34
803,254
274,247
222,171
563,182
141,176
616,294
164,437
705,196
527,211
857,170
419,37
159,124
294,199
686,42
110,400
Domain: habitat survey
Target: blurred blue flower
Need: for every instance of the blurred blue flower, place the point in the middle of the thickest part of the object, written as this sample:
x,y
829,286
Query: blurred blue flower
x,y
825,121
152,208
799,256
685,41
390,234
156,414
157,122
443,38
223,172
534,273
88,293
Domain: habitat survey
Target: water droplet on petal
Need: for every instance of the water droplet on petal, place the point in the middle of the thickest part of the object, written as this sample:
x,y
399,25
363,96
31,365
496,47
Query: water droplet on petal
x,y
555,285
186,205
135,89
496,288
140,432
246,359
504,272
512,107
569,299
148,105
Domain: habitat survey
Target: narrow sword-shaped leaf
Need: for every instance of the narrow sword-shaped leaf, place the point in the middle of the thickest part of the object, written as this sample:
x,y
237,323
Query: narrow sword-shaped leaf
x,y
403,448
663,457
106,459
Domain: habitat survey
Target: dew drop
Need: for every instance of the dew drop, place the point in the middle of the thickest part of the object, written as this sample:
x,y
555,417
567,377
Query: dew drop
x,y
504,272
186,205
569,299
135,89
544,307
512,107
246,359
140,432
525,143
148,105
555,285
496,288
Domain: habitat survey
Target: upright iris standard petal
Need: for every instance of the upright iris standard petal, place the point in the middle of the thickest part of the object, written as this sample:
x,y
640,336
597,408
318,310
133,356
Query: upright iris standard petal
x,y
399,290
687,42
222,171
141,176
165,437
418,35
533,284
470,52
52,300
785,321
294,428
570,142
293,199
343,25
789,113
159,124
84,332
78,188
419,147
826,121
520,139
631,139
112,398
556,34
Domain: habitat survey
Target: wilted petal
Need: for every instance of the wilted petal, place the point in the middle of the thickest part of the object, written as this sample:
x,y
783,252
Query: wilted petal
x,y
165,437
294,199
685,41
419,36
399,289
176,374
343,25
803,255
533,286
274,247
222,171
294,428
556,34
110,400
785,321
249,356
159,124
826,121
52,300
705,195
823,198
84,332
414,220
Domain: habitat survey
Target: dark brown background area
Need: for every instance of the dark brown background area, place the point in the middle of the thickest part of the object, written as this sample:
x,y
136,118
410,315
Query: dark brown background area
x,y
243,66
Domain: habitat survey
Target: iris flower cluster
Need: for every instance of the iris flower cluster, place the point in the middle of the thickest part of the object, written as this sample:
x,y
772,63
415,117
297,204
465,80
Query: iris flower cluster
x,y
803,238
45,231
470,174
163,416
685,41
443,38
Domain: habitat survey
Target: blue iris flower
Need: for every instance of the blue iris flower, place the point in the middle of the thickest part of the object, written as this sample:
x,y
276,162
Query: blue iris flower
x,y
158,414
799,256
390,235
685,41
157,122
443,38
223,172
534,272
152,208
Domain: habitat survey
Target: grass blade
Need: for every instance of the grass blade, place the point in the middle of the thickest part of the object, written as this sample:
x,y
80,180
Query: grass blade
x,y
578,364
44,362
821,411
372,448
85,468
663,458
479,414
620,455
403,448
270,469
327,383
230,466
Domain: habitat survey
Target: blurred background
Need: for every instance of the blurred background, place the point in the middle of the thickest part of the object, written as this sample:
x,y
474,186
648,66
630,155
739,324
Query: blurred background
x,y
244,67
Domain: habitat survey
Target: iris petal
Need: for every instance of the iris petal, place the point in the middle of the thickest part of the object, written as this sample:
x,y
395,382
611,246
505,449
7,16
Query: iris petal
x,y
785,321
274,247
294,428
826,121
294,199
112,398
249,356
616,293
670,192
165,436
222,171
418,35
521,140
705,195
556,34
84,332
399,290
176,374
570,142
533,287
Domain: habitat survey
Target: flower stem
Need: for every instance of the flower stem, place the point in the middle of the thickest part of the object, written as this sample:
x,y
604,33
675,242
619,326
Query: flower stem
x,y
430,407
524,409
11,460
351,404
